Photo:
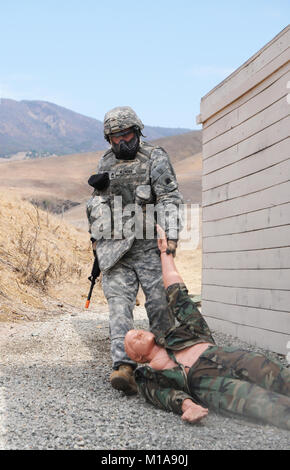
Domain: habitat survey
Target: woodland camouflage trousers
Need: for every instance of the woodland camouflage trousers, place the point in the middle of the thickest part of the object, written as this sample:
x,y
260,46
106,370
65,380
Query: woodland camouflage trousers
x,y
249,384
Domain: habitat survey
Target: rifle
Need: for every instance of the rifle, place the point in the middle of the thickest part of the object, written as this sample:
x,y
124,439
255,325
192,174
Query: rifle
x,y
94,275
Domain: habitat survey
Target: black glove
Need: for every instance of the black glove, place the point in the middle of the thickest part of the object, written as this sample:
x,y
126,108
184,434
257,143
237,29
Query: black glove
x,y
172,245
100,181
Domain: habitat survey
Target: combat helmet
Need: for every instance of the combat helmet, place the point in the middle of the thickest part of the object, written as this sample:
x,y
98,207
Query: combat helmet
x,y
119,119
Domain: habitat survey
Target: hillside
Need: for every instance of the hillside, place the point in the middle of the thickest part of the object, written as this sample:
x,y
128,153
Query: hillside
x,y
45,259
45,263
39,127
56,181
63,178
181,146
42,260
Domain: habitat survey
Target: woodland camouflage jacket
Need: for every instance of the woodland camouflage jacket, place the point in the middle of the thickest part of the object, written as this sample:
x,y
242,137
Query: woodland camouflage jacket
x,y
167,389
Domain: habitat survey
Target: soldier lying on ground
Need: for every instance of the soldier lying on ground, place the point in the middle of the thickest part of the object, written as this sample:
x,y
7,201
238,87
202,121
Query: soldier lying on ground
x,y
187,373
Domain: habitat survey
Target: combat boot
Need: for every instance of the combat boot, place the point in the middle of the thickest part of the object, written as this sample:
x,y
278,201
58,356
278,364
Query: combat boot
x,y
123,379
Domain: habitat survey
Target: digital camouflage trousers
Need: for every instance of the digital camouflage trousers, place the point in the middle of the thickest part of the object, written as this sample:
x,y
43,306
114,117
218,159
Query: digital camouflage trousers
x,y
140,266
245,383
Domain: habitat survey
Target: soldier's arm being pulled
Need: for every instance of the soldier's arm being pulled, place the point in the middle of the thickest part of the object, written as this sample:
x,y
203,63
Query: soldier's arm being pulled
x,y
183,306
169,271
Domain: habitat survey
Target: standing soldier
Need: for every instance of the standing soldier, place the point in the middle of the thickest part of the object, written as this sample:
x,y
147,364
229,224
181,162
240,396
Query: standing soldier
x,y
137,173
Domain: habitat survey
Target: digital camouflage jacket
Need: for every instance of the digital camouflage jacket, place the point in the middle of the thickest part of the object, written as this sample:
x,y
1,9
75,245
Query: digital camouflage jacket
x,y
148,179
167,389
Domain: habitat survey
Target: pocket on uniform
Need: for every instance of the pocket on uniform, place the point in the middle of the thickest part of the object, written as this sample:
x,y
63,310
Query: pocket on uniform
x,y
143,194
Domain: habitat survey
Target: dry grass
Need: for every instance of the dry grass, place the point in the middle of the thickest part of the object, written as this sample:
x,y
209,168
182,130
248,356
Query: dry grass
x,y
40,257
43,258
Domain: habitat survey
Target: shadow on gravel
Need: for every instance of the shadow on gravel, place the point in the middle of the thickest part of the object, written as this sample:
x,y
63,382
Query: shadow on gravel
x,y
94,336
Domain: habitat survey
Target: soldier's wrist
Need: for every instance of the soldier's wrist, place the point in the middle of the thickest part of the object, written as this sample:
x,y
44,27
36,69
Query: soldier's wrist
x,y
187,403
166,252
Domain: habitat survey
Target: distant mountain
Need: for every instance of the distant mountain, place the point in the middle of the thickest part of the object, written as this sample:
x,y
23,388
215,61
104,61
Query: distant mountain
x,y
181,146
43,128
60,183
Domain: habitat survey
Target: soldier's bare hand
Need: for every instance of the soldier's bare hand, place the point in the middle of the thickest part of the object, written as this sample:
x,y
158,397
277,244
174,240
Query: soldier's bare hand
x,y
192,412
162,240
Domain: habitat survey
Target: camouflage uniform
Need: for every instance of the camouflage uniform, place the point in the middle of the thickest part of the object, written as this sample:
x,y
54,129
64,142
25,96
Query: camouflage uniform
x,y
149,179
130,260
226,379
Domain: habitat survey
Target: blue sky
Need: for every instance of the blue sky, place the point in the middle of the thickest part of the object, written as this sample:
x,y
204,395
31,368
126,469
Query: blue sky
x,y
158,56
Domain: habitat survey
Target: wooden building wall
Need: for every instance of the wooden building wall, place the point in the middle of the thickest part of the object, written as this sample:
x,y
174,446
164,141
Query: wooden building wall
x,y
246,199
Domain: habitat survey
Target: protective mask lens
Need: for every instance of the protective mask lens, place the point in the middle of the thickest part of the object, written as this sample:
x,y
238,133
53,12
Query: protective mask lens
x,y
119,136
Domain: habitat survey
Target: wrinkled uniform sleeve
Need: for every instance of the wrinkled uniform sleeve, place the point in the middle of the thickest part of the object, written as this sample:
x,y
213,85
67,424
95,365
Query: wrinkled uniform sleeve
x,y
157,393
88,212
186,312
168,197
94,204
99,217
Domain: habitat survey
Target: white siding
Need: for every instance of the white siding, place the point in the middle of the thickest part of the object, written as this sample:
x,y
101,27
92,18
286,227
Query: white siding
x,y
246,200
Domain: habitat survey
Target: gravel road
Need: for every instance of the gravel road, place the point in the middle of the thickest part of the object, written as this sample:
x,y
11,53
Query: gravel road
x,y
55,394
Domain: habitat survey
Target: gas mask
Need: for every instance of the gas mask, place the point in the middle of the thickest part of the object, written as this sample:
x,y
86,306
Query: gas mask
x,y
125,149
